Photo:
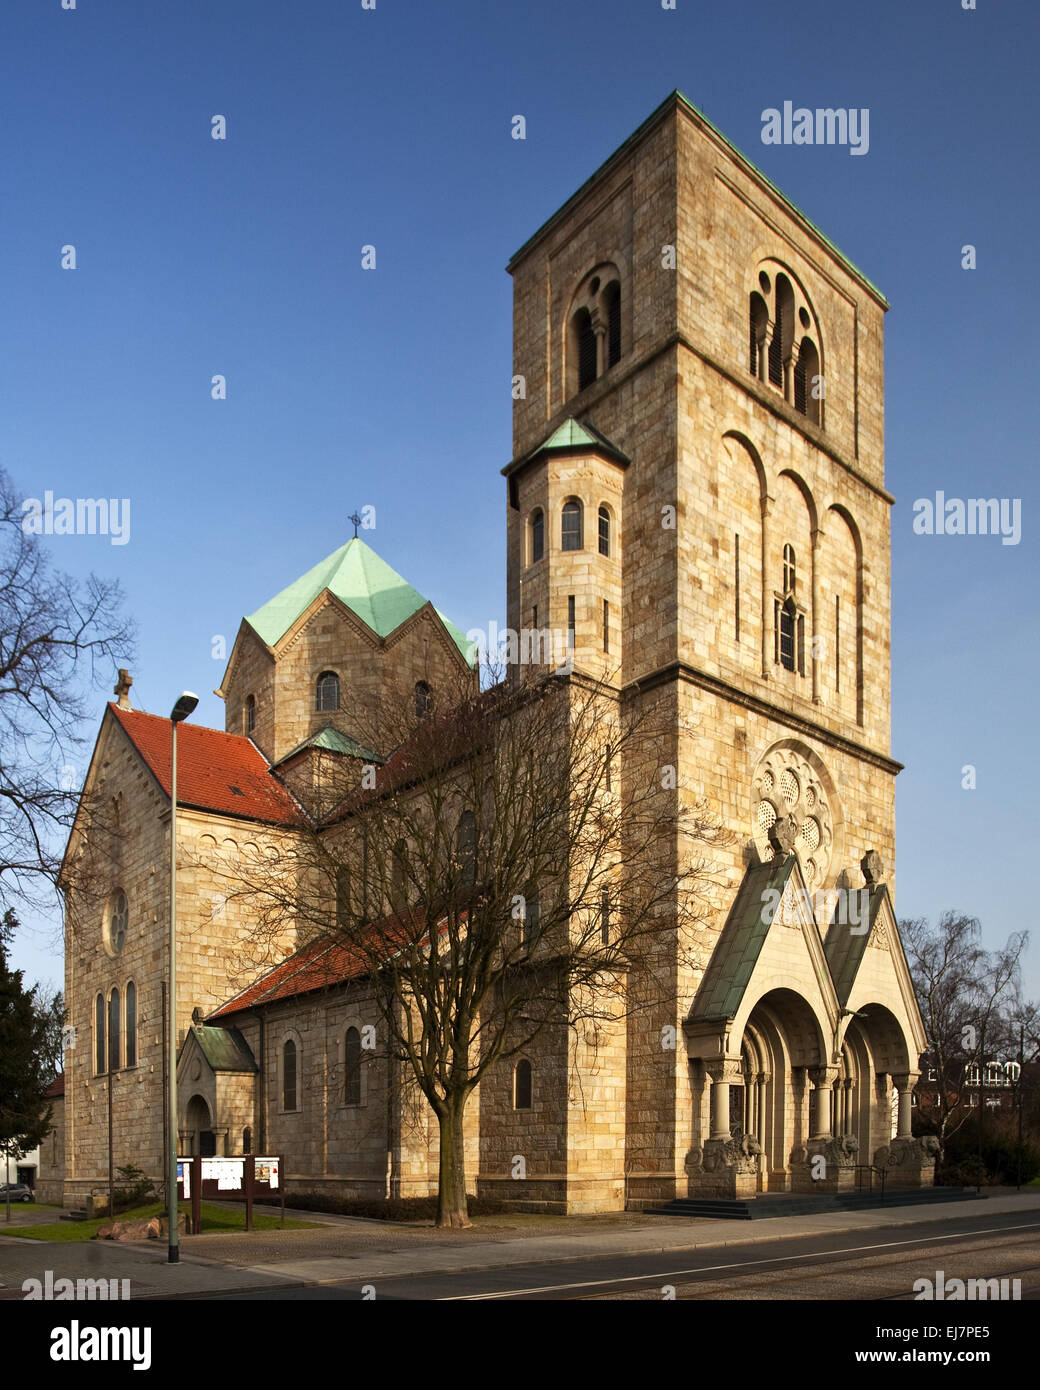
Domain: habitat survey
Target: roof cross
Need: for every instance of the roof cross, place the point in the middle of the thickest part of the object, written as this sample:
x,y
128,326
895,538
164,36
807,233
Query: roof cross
x,y
356,520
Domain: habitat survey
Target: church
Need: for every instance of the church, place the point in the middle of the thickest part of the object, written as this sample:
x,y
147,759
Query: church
x,y
697,499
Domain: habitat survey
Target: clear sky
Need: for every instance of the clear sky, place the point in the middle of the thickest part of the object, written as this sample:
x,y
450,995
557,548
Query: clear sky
x,y
392,127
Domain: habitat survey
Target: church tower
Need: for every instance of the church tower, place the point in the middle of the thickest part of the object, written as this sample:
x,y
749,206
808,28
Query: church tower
x,y
697,498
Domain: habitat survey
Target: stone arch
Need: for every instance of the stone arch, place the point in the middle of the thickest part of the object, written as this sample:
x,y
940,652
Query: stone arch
x,y
598,305
199,1124
785,340
815,798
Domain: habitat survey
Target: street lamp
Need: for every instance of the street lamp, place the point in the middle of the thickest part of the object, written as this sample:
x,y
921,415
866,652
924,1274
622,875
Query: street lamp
x,y
184,706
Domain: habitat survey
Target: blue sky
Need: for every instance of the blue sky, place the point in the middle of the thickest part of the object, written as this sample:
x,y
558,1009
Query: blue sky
x,y
390,388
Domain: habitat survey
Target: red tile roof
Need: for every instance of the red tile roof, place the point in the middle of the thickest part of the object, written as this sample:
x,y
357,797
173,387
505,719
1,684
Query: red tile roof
x,y
56,1088
215,771
325,963
317,966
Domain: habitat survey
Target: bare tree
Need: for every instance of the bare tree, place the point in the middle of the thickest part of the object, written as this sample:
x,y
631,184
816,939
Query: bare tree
x,y
518,865
967,997
57,636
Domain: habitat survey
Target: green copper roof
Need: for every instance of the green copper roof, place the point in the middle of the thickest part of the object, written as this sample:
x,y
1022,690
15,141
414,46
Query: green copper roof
x,y
845,947
677,96
333,741
366,584
571,435
741,942
224,1049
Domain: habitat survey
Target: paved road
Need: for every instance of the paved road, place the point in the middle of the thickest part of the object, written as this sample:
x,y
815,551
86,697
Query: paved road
x,y
880,1263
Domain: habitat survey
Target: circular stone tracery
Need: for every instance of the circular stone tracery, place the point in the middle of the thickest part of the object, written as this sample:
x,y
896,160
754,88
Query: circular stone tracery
x,y
786,784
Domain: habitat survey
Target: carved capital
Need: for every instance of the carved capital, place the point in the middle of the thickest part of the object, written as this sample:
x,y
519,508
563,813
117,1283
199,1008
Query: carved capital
x,y
822,1077
725,1069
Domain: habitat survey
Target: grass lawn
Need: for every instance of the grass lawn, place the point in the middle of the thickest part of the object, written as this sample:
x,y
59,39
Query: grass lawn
x,y
214,1219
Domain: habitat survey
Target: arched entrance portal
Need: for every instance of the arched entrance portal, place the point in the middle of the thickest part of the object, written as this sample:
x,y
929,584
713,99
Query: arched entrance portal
x,y
200,1127
782,1049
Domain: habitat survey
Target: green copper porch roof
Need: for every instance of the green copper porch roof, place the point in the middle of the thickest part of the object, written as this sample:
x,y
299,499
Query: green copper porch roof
x,y
844,945
224,1049
570,435
357,576
742,939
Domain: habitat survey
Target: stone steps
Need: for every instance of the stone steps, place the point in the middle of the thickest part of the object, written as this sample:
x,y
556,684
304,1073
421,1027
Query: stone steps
x,y
795,1204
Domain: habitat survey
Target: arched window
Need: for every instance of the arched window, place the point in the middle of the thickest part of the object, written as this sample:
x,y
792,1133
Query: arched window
x,y
289,1075
423,699
537,535
466,842
585,344
612,304
790,571
250,713
118,921
130,1006
604,531
247,1140
522,1085
327,691
113,1029
352,1067
806,381
571,538
532,915
342,897
99,1034
399,875
758,323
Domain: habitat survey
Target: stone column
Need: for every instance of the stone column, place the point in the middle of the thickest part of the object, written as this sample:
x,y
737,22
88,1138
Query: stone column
x,y
760,1120
904,1084
599,329
719,1109
823,1079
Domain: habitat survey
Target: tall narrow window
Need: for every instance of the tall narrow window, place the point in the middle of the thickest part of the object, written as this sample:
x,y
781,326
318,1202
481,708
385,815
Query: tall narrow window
x,y
99,1034
570,531
534,616
787,636
250,713
522,1085
423,699
113,1030
399,875
807,381
327,691
570,622
758,320
837,643
608,775
537,535
130,1006
586,345
604,916
736,586
532,915
790,570
247,1140
606,626
342,897
612,296
289,1076
776,357
604,531
352,1067
466,840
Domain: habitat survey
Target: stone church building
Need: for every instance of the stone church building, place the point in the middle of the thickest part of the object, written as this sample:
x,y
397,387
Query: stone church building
x,y
697,499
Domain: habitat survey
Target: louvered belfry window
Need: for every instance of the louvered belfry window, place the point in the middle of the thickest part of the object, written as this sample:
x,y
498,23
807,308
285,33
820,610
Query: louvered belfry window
x,y
586,351
776,349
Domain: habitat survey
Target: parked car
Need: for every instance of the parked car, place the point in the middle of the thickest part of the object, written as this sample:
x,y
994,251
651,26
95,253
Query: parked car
x,y
16,1191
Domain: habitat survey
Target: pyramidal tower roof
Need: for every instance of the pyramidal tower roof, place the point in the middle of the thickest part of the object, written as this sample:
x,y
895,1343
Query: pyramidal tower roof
x,y
368,586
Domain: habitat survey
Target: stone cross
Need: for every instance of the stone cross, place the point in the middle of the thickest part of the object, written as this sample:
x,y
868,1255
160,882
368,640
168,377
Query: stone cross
x,y
122,688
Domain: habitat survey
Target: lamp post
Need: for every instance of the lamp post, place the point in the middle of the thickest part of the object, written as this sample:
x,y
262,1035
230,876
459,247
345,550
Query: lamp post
x,y
184,706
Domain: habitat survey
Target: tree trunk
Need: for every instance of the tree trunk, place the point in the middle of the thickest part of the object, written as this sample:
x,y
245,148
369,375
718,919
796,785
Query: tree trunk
x,y
452,1209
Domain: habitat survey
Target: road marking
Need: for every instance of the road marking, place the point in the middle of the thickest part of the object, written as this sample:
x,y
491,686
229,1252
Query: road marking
x,y
739,1264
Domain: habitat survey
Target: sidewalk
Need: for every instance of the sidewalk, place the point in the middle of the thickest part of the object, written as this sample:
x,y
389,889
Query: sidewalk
x,y
344,1252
